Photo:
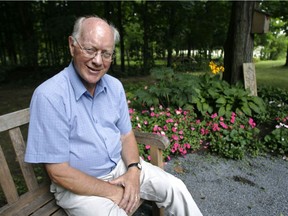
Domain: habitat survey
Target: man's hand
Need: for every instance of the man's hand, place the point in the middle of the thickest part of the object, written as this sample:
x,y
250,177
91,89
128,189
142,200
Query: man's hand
x,y
131,183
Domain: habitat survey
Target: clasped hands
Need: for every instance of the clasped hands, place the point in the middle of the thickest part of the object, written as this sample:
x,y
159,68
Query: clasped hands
x,y
130,187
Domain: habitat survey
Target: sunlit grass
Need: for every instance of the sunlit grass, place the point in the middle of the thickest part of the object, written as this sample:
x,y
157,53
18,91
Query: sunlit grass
x,y
272,73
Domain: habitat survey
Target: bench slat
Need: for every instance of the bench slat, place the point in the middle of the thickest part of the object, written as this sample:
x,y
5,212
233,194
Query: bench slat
x,y
45,201
7,183
14,119
26,200
162,142
59,212
50,208
19,147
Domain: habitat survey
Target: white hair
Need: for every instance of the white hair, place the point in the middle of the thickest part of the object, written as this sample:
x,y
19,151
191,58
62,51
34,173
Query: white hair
x,y
78,28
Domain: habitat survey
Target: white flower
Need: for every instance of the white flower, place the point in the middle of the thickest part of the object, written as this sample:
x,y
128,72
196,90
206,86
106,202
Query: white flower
x,y
283,125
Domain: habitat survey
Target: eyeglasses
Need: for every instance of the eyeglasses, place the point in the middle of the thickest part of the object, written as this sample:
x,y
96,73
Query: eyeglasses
x,y
92,53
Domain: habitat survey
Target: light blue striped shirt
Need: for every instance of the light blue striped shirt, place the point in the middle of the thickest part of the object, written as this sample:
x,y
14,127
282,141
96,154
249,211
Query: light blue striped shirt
x,y
67,124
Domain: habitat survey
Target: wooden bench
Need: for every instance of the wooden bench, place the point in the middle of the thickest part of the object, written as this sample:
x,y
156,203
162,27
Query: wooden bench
x,y
37,199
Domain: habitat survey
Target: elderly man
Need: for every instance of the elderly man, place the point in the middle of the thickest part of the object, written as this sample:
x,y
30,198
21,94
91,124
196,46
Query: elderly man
x,y
80,129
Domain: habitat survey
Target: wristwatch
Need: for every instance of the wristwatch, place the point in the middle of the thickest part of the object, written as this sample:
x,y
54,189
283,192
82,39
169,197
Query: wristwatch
x,y
138,165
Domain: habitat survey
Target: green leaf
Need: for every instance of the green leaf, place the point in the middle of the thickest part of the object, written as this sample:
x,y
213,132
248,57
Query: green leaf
x,y
246,110
254,107
205,107
222,111
221,100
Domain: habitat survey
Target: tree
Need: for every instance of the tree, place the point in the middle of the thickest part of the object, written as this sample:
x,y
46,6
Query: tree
x,y
239,43
279,9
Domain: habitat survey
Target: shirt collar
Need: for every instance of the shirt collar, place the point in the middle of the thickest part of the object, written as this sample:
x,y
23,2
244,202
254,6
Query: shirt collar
x,y
79,88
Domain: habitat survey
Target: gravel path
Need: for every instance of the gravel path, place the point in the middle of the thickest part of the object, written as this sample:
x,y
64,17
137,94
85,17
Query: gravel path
x,y
220,187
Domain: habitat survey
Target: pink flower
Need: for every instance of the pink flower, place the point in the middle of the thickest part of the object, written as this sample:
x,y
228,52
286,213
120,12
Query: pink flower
x,y
131,111
174,137
192,128
178,112
221,118
139,125
204,131
145,122
168,114
198,121
165,127
214,115
174,129
169,120
185,113
223,125
147,147
184,152
155,128
152,108
180,132
242,126
149,157
173,150
187,145
232,119
215,127
176,145
152,114
252,123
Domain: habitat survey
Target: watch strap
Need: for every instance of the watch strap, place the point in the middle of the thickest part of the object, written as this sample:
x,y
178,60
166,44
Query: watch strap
x,y
138,165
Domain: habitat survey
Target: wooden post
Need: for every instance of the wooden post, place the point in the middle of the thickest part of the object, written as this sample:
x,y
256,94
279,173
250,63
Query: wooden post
x,y
250,78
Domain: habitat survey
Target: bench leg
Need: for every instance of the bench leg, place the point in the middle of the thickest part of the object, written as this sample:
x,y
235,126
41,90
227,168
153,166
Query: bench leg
x,y
156,211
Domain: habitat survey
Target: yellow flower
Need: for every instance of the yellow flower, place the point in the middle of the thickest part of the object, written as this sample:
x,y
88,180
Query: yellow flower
x,y
215,69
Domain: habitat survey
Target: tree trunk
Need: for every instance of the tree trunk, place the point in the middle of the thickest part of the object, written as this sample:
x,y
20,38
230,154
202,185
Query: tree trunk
x,y
146,53
239,43
121,32
286,64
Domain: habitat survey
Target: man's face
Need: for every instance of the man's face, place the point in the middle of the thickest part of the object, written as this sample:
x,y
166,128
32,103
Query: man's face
x,y
96,38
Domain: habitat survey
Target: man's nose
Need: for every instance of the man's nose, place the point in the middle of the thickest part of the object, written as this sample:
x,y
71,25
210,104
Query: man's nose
x,y
97,59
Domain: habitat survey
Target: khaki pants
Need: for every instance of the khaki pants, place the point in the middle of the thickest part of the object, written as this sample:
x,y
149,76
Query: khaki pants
x,y
156,185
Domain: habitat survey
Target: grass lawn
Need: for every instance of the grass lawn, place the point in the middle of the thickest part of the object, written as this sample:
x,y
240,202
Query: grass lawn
x,y
272,73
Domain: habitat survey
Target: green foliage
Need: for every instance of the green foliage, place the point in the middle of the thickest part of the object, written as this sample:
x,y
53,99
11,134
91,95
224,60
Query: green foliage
x,y
277,140
218,96
207,93
277,99
217,116
169,89
232,137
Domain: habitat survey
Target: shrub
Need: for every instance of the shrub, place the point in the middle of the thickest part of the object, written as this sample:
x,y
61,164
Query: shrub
x,y
207,93
204,112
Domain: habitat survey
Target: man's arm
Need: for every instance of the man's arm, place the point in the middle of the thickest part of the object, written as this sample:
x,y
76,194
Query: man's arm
x,y
83,184
131,179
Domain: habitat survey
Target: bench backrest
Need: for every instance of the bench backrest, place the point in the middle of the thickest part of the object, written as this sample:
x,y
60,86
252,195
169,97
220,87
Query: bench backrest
x,y
34,195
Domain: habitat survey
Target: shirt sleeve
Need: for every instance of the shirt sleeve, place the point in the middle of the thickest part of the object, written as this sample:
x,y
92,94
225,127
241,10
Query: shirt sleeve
x,y
124,123
48,136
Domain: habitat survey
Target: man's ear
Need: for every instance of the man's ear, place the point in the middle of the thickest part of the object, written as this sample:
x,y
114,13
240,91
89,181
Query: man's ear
x,y
71,45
